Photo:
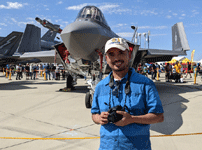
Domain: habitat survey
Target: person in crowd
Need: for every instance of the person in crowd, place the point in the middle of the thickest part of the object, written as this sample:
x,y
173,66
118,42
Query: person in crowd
x,y
31,71
139,69
57,71
47,71
177,67
27,70
153,71
188,69
198,67
63,74
18,72
168,69
34,71
145,70
52,71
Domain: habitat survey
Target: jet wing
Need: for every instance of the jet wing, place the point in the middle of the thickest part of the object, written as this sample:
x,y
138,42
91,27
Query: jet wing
x,y
155,55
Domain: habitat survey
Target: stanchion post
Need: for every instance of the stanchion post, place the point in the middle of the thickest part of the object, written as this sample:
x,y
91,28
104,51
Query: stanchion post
x,y
9,75
3,71
195,76
157,79
6,73
44,75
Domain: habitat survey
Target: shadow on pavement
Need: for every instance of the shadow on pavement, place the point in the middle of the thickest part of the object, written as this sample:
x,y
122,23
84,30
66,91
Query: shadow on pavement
x,y
21,85
173,107
78,89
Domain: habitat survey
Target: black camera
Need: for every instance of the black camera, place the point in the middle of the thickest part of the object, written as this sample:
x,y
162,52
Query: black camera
x,y
113,116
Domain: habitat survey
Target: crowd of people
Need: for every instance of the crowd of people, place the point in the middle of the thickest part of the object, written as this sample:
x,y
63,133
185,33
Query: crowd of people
x,y
175,71
30,71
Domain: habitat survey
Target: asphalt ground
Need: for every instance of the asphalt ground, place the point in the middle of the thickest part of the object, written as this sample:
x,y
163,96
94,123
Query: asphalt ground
x,y
35,115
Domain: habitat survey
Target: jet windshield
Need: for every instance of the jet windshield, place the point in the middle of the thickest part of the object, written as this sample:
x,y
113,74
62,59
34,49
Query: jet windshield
x,y
93,13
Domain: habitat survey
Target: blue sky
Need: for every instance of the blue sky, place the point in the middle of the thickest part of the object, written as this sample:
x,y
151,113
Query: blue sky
x,y
156,16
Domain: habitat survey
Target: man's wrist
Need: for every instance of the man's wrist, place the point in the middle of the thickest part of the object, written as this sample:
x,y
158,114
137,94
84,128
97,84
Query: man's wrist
x,y
96,118
132,119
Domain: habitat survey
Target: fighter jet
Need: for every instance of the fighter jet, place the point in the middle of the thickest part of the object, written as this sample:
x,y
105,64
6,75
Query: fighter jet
x,y
21,47
85,39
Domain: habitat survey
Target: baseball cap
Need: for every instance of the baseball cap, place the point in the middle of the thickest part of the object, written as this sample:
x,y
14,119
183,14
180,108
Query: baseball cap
x,y
119,43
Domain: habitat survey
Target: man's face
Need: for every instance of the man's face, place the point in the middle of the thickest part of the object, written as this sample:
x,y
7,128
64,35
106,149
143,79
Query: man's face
x,y
117,59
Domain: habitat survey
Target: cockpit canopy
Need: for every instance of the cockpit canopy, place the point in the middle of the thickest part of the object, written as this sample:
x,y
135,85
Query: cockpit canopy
x,y
92,12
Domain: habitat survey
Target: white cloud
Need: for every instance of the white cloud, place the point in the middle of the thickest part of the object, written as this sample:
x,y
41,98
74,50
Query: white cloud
x,y
125,34
47,8
168,16
174,14
148,12
3,24
20,23
150,27
107,7
77,7
198,33
29,18
158,34
119,25
0,28
11,5
194,13
183,15
58,20
104,7
60,2
13,19
62,23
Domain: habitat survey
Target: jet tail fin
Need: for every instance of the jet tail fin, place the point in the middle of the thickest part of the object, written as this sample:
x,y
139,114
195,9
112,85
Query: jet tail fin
x,y
9,44
50,35
179,39
31,40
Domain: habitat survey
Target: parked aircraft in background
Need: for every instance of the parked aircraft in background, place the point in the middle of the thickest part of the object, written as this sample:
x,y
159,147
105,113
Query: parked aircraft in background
x,y
17,45
84,41
86,37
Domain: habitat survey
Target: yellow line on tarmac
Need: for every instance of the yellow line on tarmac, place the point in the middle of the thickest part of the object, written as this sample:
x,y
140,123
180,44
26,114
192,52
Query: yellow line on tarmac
x,y
24,138
81,138
176,135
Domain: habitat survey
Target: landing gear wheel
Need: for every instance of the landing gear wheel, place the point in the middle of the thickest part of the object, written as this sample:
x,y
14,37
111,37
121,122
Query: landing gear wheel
x,y
88,100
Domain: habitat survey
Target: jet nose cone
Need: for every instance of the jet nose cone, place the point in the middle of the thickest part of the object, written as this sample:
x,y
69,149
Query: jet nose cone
x,y
82,38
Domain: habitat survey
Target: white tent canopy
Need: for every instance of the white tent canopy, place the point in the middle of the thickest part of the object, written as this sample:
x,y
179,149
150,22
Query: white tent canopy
x,y
179,58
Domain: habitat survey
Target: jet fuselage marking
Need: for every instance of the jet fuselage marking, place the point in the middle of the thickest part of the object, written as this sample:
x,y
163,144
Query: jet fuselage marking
x,y
8,42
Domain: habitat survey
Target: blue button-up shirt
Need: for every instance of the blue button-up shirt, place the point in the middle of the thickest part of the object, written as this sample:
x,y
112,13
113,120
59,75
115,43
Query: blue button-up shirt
x,y
142,99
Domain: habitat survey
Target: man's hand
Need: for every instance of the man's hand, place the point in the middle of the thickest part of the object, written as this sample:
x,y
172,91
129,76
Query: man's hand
x,y
127,118
100,119
103,118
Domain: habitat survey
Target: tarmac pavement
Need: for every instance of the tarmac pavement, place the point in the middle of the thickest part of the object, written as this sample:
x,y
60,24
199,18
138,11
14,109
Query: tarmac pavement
x,y
35,115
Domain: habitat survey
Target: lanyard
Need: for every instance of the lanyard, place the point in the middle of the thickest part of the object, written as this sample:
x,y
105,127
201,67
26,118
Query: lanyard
x,y
127,88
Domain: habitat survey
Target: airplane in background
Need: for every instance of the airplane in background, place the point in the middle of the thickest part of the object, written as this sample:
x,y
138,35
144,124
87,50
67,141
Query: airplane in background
x,y
85,39
17,46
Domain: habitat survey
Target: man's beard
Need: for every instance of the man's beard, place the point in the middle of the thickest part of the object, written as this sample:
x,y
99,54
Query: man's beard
x,y
120,69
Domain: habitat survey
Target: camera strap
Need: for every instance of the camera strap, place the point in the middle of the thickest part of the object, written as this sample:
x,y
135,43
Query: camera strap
x,y
127,88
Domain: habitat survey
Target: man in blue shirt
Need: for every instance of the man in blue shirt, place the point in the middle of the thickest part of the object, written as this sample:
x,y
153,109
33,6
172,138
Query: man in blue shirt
x,y
142,103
